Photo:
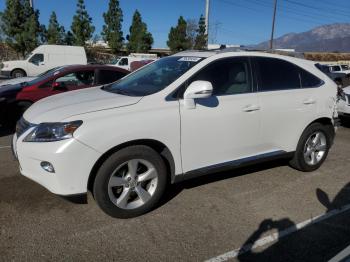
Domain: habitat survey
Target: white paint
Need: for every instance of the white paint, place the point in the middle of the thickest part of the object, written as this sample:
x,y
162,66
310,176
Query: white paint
x,y
3,147
275,236
342,255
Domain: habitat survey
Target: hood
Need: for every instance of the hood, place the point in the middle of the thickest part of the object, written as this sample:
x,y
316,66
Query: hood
x,y
347,90
9,88
15,81
15,62
59,107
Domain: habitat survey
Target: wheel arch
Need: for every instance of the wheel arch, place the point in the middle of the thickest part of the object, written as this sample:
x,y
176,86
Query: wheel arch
x,y
324,121
158,146
25,73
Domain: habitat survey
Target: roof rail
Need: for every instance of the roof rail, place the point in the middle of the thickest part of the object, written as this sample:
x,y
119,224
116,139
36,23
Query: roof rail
x,y
271,51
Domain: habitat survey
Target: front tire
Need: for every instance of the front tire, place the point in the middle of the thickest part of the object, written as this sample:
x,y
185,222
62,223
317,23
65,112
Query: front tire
x,y
313,147
18,73
130,182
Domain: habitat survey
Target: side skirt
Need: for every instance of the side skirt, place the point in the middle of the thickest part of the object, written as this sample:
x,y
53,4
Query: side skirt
x,y
234,164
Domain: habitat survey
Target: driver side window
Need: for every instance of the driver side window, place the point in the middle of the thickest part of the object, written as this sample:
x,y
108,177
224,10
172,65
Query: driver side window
x,y
77,79
228,76
123,61
36,59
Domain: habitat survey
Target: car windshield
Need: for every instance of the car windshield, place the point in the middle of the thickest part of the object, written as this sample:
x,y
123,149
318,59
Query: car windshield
x,y
153,77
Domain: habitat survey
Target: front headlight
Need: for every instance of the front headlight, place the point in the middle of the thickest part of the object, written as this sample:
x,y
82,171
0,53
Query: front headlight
x,y
50,132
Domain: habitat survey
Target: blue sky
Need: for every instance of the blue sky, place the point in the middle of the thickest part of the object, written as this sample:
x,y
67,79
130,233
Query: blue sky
x,y
231,21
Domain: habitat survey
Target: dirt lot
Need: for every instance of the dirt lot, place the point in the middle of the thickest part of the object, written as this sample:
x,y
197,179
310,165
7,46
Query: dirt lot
x,y
199,219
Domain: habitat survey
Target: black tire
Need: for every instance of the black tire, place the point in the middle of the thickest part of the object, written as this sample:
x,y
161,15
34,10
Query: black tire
x,y
100,187
18,73
298,162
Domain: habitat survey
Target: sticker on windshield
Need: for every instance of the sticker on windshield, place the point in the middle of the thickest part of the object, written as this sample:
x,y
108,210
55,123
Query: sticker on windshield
x,y
189,59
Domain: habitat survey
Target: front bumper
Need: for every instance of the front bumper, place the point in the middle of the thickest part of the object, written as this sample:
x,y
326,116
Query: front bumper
x,y
72,161
5,73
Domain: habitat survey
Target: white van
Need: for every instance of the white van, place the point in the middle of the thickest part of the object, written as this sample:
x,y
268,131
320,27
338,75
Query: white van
x,y
124,62
43,58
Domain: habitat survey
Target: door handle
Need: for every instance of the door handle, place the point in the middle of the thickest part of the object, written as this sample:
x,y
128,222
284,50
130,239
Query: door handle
x,y
309,101
251,108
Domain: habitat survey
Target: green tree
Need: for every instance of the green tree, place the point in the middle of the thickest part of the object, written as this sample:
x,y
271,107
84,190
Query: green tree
x,y
2,36
55,32
201,38
82,27
68,38
112,30
21,26
178,40
140,40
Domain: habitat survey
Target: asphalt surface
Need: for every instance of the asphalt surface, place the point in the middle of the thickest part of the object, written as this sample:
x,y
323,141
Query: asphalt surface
x,y
198,220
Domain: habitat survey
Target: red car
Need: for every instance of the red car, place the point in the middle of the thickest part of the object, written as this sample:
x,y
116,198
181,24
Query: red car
x,y
67,78
16,98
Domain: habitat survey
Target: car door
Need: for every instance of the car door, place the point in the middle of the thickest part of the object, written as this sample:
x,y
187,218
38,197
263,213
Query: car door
x,y
288,102
36,65
76,80
225,126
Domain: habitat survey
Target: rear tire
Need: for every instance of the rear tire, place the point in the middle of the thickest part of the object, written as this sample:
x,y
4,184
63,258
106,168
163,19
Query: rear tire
x,y
313,147
18,73
130,182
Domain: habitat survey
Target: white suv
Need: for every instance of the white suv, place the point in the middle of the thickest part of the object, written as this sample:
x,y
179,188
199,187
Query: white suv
x,y
182,116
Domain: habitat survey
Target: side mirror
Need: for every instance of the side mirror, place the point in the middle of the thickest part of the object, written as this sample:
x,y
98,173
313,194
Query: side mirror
x,y
197,89
58,86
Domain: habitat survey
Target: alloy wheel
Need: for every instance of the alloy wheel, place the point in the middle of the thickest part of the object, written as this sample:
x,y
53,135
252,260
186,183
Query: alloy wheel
x,y
315,148
132,184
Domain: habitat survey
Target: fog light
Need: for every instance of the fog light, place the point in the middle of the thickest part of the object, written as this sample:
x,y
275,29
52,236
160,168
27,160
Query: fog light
x,y
47,166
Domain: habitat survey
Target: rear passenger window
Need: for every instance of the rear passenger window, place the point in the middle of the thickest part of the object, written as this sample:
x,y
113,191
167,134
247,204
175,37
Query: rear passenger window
x,y
109,76
309,80
276,74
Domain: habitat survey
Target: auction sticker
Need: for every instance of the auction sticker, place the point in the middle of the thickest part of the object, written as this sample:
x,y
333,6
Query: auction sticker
x,y
189,59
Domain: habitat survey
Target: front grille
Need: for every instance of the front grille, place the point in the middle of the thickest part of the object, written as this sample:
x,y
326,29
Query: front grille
x,y
22,126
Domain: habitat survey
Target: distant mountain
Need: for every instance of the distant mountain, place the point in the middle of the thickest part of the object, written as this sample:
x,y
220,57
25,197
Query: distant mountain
x,y
327,38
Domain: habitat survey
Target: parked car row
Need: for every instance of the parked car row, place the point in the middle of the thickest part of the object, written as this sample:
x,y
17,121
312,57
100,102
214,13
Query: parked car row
x,y
18,96
338,73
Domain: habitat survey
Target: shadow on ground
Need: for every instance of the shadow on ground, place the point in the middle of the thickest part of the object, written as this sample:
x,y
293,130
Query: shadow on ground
x,y
318,242
176,189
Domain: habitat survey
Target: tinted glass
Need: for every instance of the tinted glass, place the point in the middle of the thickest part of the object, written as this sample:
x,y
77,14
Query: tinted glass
x,y
154,77
336,68
109,76
77,79
276,74
308,80
228,76
123,61
37,58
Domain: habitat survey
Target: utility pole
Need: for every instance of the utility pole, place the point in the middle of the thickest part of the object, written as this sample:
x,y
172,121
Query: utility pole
x,y
207,7
31,3
273,24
